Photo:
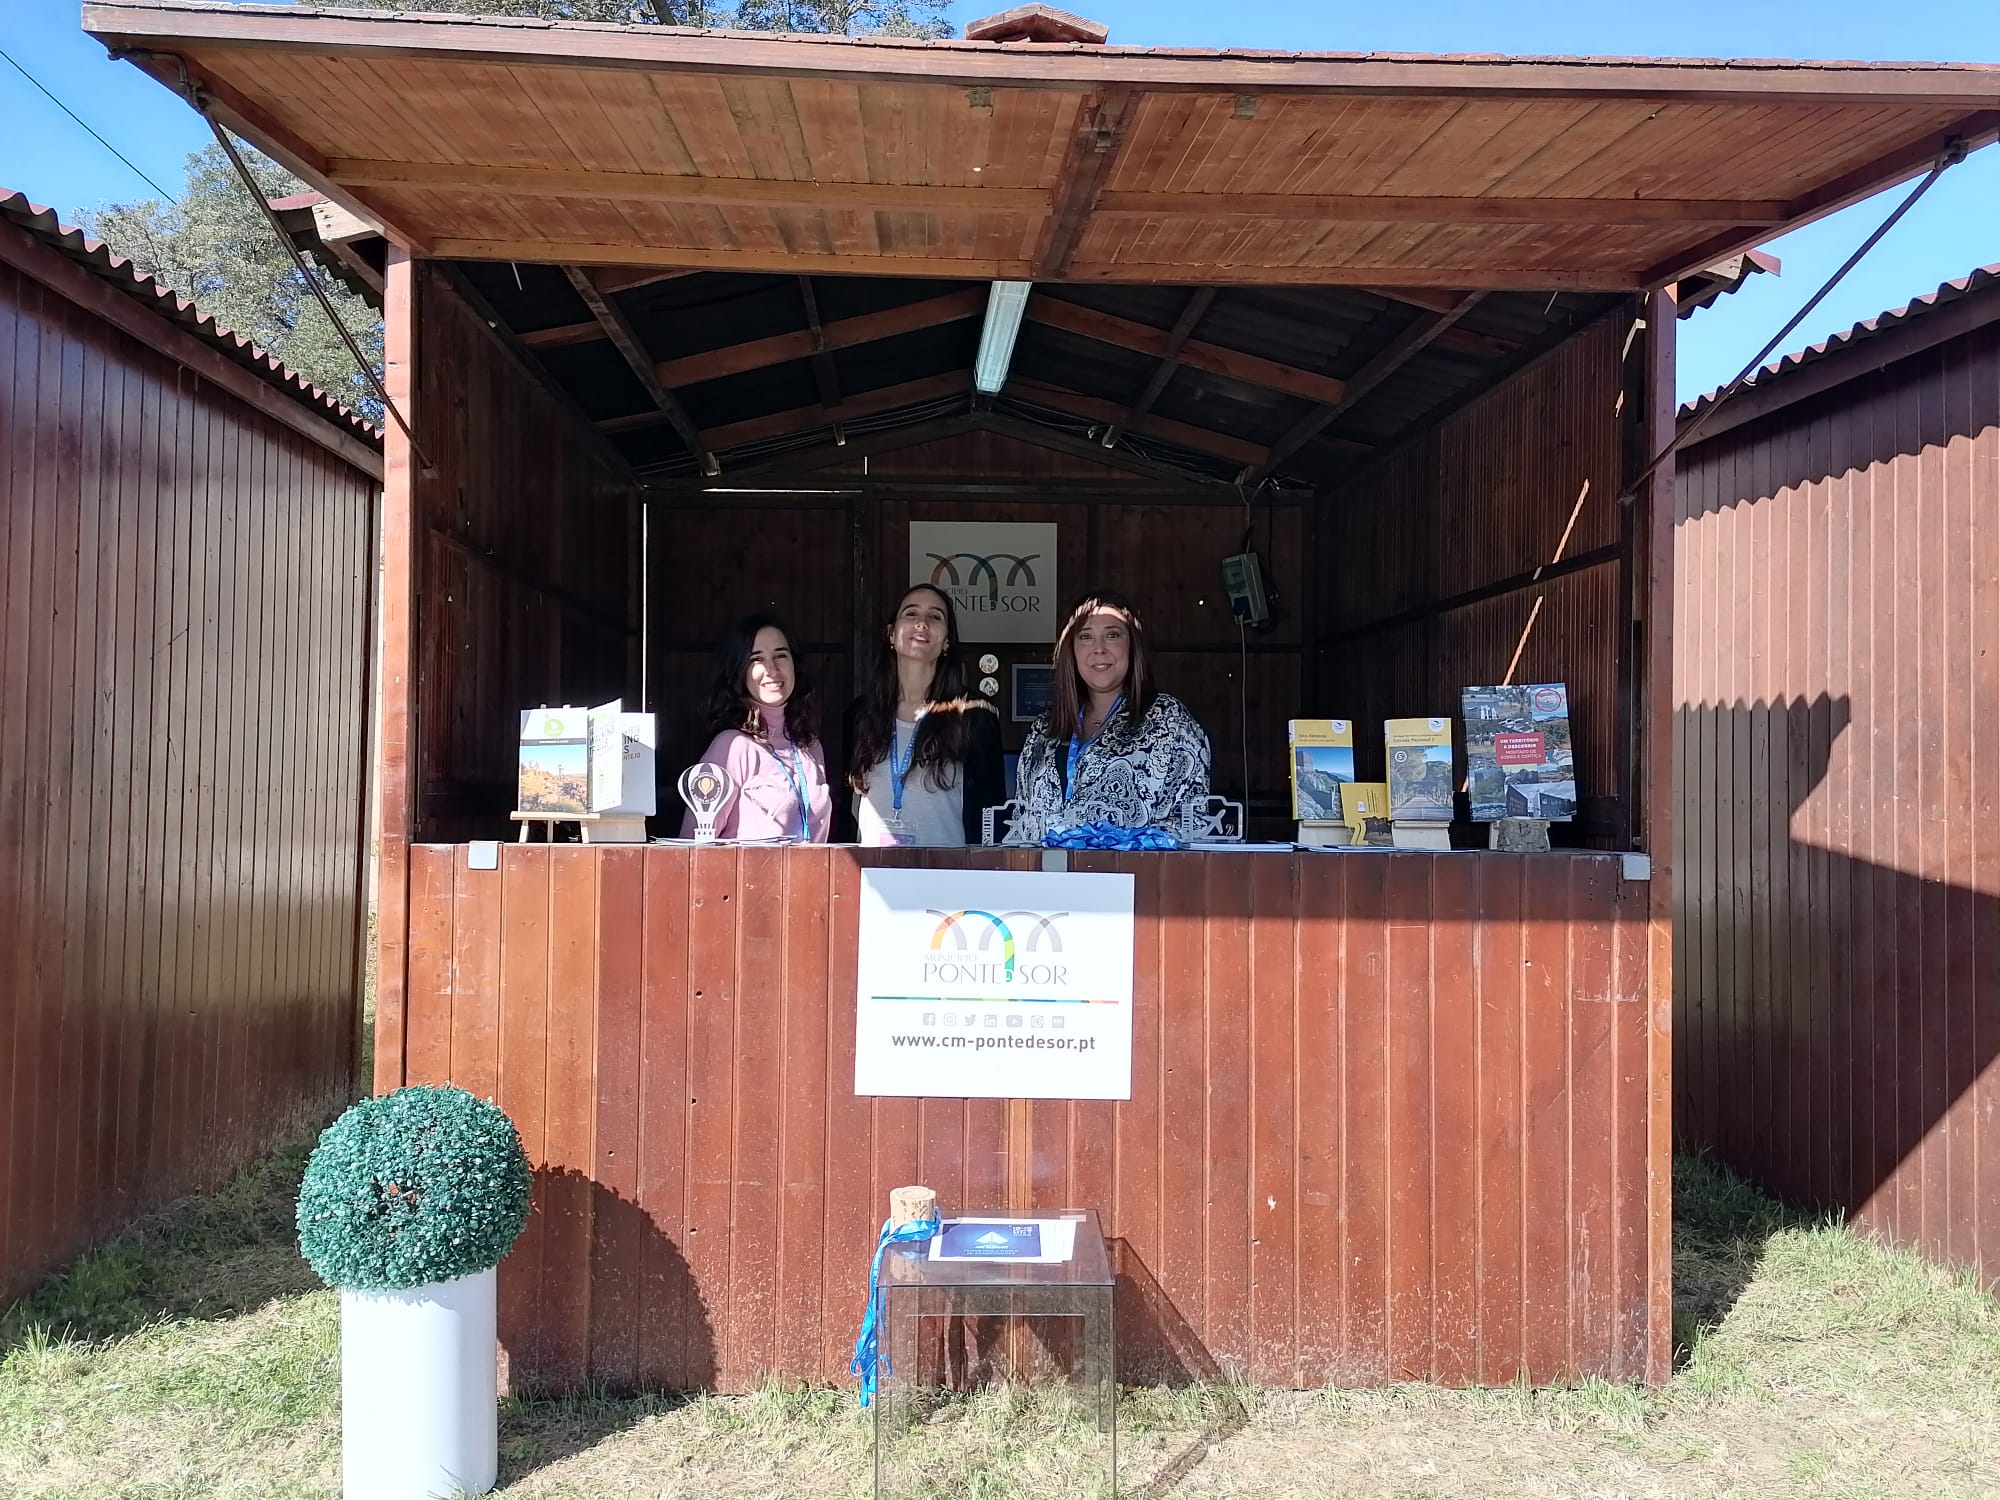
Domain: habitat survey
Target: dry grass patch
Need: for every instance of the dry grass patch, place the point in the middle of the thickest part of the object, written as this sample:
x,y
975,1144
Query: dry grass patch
x,y
195,1357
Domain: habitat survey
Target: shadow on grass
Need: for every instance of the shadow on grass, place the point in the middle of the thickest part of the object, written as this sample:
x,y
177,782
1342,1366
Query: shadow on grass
x,y
1722,1228
202,1259
536,1431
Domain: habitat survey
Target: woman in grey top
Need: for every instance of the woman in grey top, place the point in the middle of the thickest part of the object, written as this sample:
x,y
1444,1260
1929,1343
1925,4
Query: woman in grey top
x,y
925,762
1111,748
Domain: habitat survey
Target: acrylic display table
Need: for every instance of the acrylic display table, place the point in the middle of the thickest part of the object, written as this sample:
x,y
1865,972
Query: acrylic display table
x,y
916,1287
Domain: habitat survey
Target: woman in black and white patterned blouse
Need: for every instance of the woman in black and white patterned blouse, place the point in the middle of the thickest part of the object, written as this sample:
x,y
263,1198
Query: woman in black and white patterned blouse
x,y
1111,748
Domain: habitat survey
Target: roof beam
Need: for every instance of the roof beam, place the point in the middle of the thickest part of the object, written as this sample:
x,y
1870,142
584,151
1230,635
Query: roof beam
x,y
842,333
625,278
658,187
1196,308
1216,360
778,262
1086,167
1181,435
825,380
1400,350
1366,208
626,341
805,418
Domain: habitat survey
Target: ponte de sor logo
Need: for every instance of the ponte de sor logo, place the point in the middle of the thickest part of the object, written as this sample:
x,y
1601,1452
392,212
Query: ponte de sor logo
x,y
1044,936
1020,573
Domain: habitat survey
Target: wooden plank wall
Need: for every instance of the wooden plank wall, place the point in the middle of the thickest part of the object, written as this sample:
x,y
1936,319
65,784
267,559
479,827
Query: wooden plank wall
x,y
1427,563
526,538
1163,547
184,636
1837,725
1389,1118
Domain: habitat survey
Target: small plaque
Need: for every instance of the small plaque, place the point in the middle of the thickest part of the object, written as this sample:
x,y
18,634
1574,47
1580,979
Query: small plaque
x,y
992,1241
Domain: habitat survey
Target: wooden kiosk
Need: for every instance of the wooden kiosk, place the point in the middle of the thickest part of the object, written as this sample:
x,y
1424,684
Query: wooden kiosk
x,y
710,303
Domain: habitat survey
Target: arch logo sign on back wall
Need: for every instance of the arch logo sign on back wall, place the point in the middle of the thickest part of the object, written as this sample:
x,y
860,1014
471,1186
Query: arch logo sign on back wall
x,y
1001,575
994,984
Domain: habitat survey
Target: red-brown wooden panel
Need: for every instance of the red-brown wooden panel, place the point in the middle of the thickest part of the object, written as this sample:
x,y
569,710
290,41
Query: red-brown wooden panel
x,y
173,704
1342,1066
1839,885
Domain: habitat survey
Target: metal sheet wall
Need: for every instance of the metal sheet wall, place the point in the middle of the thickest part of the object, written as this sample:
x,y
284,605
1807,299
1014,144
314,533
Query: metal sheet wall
x,y
1838,719
1389,1117
183,649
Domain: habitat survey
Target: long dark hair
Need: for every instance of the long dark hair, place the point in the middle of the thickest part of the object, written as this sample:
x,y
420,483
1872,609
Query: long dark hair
x,y
730,705
1068,694
942,734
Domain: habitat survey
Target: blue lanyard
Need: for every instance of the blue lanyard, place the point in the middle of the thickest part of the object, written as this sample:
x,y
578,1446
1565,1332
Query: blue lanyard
x,y
797,779
1077,748
898,772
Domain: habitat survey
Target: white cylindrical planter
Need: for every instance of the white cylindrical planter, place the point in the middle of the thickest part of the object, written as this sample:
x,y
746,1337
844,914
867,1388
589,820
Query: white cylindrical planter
x,y
419,1403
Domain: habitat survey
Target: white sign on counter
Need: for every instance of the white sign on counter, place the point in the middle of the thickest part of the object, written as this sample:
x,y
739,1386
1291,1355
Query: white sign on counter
x,y
994,984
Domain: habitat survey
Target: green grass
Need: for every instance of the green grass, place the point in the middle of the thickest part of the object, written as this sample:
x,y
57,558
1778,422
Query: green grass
x,y
195,1356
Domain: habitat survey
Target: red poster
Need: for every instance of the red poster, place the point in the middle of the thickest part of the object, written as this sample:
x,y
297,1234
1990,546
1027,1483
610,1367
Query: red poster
x,y
1520,749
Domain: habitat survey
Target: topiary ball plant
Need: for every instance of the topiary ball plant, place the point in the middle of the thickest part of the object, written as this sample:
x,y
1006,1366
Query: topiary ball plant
x,y
419,1186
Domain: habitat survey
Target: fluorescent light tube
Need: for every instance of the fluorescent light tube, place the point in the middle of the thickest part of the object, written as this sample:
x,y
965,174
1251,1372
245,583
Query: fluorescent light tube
x,y
1004,305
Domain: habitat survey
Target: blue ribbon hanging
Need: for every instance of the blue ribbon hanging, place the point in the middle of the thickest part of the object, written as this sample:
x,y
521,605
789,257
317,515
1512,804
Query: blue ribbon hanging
x,y
868,1358
1109,836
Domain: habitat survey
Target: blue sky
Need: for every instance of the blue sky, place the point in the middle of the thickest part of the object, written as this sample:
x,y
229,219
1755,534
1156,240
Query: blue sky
x,y
1956,228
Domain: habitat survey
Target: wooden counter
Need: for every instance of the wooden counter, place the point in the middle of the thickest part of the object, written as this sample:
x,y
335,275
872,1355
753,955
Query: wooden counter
x,y
1394,1116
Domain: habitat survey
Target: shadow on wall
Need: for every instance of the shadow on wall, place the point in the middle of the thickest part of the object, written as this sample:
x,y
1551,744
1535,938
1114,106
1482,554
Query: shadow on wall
x,y
1837,1017
640,1324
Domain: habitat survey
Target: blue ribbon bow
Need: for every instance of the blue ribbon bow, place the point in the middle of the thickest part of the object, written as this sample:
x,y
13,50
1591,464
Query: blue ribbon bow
x,y
868,1358
1109,836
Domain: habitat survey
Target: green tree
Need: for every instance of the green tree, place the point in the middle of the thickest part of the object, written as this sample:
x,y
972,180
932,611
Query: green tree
x,y
214,246
923,18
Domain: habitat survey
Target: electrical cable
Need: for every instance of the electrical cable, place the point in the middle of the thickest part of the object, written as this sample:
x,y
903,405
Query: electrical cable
x,y
1954,152
137,170
367,367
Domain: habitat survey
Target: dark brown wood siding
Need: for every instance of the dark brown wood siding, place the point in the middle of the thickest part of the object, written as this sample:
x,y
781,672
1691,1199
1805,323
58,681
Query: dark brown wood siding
x,y
1495,549
525,537
184,637
1390,1113
1837,726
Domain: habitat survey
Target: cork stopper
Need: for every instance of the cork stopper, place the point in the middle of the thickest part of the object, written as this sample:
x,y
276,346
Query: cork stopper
x,y
907,1204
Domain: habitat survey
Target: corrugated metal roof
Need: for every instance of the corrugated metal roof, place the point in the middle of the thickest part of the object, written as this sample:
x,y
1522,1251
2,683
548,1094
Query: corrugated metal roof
x,y
1861,333
100,259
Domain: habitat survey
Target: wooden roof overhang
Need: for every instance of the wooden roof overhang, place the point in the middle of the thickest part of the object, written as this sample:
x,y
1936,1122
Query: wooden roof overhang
x,y
1248,263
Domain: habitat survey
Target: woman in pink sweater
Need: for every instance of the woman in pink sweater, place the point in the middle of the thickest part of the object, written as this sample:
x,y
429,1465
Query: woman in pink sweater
x,y
765,718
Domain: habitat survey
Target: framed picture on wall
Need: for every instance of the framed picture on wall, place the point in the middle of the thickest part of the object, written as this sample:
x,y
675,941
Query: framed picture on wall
x,y
1033,686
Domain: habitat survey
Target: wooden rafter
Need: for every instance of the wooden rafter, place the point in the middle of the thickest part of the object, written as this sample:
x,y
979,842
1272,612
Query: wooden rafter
x,y
825,380
805,418
1086,167
842,333
1405,347
626,341
657,187
628,278
1180,434
1216,360
1177,336
1367,208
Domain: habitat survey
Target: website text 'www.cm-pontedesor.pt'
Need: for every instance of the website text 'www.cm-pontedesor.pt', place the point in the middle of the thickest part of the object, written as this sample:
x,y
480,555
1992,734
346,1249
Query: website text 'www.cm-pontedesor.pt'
x,y
999,1042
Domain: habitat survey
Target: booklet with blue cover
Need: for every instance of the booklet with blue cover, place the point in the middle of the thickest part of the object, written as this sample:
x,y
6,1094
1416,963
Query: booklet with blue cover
x,y
991,1241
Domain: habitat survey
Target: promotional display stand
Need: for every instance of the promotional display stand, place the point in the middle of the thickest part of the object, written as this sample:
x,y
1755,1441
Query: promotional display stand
x,y
919,1282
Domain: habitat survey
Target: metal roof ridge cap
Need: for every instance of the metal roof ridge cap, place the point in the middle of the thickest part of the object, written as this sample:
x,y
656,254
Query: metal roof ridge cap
x,y
1978,280
168,303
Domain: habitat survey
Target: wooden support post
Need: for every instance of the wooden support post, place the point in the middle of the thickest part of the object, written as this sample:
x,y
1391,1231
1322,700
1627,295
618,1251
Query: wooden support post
x,y
401,525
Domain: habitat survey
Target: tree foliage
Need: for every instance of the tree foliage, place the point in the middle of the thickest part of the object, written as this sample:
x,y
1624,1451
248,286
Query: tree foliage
x,y
920,18
214,246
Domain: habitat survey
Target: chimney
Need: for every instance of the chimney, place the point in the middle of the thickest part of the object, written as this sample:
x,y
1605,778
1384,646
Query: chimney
x,y
1037,23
